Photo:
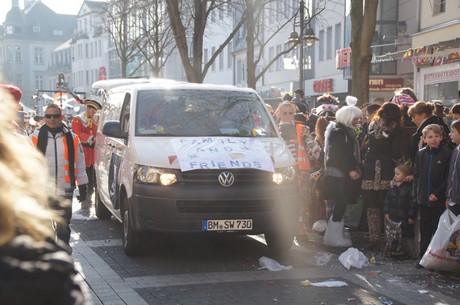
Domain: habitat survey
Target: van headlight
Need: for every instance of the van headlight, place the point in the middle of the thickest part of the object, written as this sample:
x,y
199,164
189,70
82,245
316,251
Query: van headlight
x,y
153,175
284,175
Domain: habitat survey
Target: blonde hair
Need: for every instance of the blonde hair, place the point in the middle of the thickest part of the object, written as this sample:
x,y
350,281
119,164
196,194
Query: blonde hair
x,y
284,105
437,129
23,182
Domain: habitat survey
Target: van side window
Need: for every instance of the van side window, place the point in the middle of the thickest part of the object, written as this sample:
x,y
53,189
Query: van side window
x,y
124,119
112,110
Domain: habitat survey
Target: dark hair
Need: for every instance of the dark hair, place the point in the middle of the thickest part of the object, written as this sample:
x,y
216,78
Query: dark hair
x,y
456,124
54,106
390,113
421,108
456,108
410,92
373,108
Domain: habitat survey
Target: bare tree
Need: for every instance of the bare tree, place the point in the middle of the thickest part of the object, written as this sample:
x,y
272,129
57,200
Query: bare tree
x,y
363,20
157,42
256,29
120,21
188,18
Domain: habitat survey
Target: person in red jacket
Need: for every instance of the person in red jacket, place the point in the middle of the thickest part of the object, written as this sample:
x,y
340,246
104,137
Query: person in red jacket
x,y
85,127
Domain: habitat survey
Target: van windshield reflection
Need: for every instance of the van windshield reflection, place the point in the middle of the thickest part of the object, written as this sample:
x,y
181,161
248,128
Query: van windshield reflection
x,y
201,113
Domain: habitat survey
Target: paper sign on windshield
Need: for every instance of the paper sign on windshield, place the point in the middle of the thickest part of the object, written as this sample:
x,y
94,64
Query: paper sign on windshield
x,y
221,153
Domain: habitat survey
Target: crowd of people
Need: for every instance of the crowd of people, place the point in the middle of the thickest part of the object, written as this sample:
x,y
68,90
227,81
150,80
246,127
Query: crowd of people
x,y
399,156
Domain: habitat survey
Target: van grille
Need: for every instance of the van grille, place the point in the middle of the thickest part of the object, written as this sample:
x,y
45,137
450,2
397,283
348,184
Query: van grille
x,y
242,177
228,206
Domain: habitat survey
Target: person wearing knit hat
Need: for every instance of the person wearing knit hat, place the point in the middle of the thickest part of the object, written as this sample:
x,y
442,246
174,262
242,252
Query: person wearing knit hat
x,y
13,90
85,127
16,93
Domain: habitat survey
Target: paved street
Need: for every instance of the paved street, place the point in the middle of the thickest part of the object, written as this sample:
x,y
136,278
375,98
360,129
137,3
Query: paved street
x,y
225,270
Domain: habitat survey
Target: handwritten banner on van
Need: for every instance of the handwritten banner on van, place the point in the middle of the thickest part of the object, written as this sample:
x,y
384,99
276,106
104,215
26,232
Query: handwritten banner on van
x,y
221,153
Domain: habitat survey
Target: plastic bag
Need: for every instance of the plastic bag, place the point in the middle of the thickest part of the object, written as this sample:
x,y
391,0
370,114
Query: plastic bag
x,y
319,226
321,258
272,265
443,253
353,258
330,283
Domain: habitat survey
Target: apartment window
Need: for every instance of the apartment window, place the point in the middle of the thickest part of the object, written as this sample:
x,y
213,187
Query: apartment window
x,y
229,56
271,54
240,71
86,50
221,61
39,81
213,66
38,56
205,56
9,55
18,54
338,36
439,6
321,46
329,43
279,61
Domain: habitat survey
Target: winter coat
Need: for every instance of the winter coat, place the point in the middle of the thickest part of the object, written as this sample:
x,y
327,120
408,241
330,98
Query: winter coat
x,y
398,203
86,131
453,186
55,157
431,171
340,151
37,273
416,141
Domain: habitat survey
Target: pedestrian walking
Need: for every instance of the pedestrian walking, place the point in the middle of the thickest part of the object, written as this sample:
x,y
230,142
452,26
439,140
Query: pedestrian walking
x,y
65,160
85,127
34,268
431,170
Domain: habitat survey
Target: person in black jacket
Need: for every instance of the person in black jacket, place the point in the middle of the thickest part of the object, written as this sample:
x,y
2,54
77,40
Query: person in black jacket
x,y
34,268
398,207
341,172
431,170
422,115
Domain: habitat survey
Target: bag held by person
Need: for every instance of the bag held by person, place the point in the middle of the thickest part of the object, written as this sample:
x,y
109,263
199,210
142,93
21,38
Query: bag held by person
x,y
443,253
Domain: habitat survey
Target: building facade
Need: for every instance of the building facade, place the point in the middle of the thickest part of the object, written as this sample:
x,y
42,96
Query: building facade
x,y
27,38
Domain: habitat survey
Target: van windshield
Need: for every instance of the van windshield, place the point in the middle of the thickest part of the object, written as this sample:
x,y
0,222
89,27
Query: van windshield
x,y
202,113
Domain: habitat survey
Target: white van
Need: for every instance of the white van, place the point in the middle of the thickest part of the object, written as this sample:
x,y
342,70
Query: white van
x,y
176,157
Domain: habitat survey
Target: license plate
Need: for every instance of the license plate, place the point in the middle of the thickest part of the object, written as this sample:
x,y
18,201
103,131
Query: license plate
x,y
227,225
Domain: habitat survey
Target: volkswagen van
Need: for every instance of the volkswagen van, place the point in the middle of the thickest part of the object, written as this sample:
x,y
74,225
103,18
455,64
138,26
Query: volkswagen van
x,y
175,157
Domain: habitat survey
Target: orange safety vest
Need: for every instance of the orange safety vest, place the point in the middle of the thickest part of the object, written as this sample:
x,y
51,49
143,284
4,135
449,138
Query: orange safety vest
x,y
66,155
302,159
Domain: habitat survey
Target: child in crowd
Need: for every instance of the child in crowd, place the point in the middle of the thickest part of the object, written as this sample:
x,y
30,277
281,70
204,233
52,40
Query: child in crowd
x,y
431,169
400,213
453,186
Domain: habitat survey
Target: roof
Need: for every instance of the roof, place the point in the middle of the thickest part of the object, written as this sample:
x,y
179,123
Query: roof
x,y
158,83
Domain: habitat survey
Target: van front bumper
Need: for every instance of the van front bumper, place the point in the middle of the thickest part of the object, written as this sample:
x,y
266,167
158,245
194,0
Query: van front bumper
x,y
181,209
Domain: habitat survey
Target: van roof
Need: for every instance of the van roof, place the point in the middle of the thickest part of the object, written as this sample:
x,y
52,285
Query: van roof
x,y
158,83
117,82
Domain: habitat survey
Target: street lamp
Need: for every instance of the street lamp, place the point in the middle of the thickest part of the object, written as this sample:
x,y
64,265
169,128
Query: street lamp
x,y
307,36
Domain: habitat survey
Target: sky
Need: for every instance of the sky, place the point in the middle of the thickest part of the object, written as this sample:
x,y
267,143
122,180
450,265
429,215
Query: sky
x,y
59,6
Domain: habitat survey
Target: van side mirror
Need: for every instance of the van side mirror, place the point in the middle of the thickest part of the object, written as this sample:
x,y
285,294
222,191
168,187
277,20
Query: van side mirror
x,y
113,129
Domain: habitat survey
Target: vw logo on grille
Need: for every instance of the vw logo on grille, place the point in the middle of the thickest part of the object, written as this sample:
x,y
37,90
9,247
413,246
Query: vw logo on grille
x,y
226,179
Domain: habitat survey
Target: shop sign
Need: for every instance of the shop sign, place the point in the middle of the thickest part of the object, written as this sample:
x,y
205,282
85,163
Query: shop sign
x,y
324,85
343,58
442,77
385,84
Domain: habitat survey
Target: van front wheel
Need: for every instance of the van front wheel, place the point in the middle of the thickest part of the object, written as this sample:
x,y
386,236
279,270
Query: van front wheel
x,y
131,239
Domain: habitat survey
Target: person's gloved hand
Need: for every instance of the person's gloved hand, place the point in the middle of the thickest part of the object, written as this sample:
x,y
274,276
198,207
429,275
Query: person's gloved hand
x,y
82,190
